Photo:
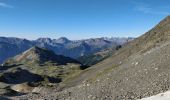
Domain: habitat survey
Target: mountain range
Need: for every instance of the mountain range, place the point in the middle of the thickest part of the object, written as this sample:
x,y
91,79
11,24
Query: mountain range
x,y
10,47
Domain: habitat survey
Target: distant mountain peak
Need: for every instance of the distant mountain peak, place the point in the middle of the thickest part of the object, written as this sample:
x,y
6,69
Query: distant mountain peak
x,y
37,55
63,40
47,40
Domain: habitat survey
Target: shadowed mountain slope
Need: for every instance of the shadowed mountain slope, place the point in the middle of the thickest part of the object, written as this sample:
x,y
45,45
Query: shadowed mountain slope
x,y
93,59
20,76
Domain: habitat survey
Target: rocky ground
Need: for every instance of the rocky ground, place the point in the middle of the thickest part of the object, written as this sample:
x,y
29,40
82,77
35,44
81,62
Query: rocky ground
x,y
142,75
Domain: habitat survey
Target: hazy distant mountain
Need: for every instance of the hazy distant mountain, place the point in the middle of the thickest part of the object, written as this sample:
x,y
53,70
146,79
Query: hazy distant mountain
x,y
10,47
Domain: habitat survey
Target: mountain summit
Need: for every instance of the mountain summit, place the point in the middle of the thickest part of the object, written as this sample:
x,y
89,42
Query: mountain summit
x,y
63,40
37,55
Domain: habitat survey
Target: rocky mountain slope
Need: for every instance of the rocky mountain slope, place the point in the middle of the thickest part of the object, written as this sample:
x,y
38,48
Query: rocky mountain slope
x,y
95,58
139,69
10,47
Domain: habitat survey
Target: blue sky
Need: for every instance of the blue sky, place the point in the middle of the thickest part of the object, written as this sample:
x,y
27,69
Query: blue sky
x,y
79,19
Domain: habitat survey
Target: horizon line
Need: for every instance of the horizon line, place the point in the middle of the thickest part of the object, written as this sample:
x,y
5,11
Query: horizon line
x,y
68,38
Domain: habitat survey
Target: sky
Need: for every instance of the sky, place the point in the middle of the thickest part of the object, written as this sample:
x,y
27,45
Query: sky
x,y
80,19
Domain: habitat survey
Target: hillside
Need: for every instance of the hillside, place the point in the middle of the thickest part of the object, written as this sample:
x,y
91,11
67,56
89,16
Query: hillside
x,y
36,55
95,58
140,69
36,68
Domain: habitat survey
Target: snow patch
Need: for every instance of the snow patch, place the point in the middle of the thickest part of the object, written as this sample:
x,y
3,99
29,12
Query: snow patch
x,y
161,96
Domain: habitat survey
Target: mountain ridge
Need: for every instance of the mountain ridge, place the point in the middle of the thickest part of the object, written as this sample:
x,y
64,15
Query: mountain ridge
x,y
41,56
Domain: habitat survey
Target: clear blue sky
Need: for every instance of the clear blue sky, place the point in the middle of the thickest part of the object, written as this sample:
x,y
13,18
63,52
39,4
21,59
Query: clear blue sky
x,y
77,19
